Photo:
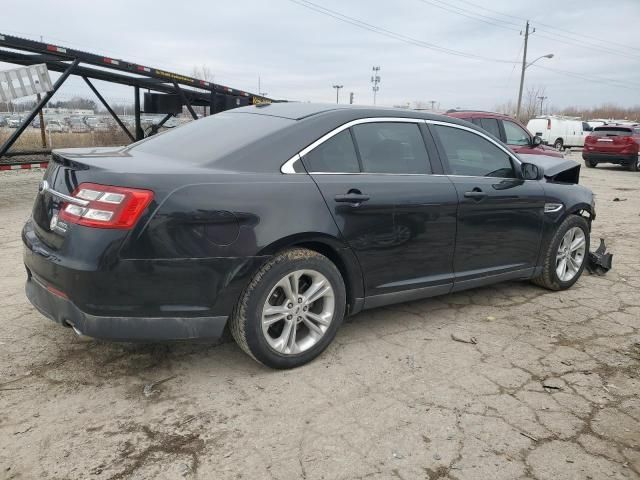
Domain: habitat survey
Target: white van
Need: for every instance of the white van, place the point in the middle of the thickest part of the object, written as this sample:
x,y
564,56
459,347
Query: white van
x,y
561,132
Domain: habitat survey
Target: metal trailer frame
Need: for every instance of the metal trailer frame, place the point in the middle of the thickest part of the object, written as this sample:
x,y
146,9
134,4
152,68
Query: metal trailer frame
x,y
68,61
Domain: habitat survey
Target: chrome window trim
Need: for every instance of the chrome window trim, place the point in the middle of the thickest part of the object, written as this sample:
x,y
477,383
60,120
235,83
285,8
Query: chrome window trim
x,y
288,166
481,134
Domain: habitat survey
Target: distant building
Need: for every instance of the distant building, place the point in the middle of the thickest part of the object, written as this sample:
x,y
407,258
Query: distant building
x,y
67,111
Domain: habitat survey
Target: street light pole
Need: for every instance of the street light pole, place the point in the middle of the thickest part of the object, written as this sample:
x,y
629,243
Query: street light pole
x,y
338,87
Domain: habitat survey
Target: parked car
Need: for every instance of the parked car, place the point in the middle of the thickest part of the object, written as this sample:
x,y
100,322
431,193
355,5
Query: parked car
x,y
14,121
616,144
78,126
3,122
596,123
507,129
561,132
279,220
56,126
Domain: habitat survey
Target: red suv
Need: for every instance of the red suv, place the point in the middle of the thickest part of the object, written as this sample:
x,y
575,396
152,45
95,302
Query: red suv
x,y
613,144
507,129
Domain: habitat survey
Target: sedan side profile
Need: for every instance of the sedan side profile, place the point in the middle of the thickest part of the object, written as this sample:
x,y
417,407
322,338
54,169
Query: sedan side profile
x,y
277,221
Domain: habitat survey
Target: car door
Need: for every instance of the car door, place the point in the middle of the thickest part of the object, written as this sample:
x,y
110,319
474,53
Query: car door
x,y
499,222
399,219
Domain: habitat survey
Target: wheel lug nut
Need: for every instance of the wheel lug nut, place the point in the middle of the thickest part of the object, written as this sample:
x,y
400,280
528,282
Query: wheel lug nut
x,y
290,305
300,300
289,317
304,309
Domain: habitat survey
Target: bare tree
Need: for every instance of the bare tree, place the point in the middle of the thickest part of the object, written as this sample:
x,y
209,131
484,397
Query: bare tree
x,y
203,72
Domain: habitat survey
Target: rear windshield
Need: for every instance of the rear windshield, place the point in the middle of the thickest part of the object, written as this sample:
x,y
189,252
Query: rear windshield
x,y
612,131
210,138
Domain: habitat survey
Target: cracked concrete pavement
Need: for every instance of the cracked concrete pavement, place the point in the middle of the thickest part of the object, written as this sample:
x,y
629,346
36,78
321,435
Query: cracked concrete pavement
x,y
550,391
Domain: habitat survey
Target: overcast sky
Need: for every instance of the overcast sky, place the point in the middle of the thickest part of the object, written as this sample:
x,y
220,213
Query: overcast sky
x,y
299,53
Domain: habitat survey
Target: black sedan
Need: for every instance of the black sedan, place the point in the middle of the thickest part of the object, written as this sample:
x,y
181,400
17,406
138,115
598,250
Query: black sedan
x,y
276,221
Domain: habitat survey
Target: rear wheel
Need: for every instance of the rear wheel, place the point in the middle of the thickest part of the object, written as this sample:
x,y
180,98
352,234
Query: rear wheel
x,y
290,311
635,166
591,163
566,255
558,144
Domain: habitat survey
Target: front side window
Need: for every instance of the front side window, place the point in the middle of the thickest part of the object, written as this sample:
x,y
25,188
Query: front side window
x,y
515,134
470,154
336,155
391,147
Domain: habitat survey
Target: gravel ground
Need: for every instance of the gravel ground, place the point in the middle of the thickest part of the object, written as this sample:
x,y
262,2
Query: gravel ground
x,y
549,391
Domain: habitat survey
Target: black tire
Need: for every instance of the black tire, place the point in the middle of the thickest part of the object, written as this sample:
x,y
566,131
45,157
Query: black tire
x,y
591,163
558,144
245,323
635,166
549,278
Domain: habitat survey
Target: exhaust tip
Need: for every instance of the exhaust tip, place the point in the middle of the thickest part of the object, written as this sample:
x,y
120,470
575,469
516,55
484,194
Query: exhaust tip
x,y
79,334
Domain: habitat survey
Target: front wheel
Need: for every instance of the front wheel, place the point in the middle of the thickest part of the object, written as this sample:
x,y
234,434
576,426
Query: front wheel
x,y
558,144
290,311
565,256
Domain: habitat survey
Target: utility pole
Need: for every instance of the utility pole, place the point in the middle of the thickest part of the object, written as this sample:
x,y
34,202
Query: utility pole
x,y
542,99
338,87
351,98
375,80
524,67
260,92
433,104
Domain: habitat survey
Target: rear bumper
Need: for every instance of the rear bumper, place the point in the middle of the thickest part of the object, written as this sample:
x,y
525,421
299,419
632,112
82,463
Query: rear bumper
x,y
61,310
619,159
104,296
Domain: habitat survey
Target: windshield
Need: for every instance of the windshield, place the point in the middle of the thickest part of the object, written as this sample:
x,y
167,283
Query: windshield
x,y
205,140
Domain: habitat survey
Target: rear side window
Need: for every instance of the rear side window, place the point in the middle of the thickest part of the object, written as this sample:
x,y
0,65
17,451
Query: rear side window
x,y
515,134
336,155
470,154
491,126
210,138
391,147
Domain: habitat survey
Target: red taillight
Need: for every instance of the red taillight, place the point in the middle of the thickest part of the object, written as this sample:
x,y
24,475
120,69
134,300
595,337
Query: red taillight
x,y
107,206
589,139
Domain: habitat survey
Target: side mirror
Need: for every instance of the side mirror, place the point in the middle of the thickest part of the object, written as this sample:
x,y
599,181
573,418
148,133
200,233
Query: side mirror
x,y
536,141
531,171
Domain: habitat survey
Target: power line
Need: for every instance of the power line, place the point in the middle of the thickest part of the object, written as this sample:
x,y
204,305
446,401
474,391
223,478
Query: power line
x,y
388,33
605,81
509,26
491,21
609,42
412,41
588,46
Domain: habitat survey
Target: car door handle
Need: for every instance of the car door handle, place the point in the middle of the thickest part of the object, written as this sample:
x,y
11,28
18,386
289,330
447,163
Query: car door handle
x,y
476,194
351,197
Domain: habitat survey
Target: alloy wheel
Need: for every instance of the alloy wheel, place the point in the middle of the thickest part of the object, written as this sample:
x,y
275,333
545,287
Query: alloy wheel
x,y
298,311
571,253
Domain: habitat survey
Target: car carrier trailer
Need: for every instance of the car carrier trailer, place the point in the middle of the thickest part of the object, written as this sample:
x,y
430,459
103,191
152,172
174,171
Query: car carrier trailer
x,y
171,90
